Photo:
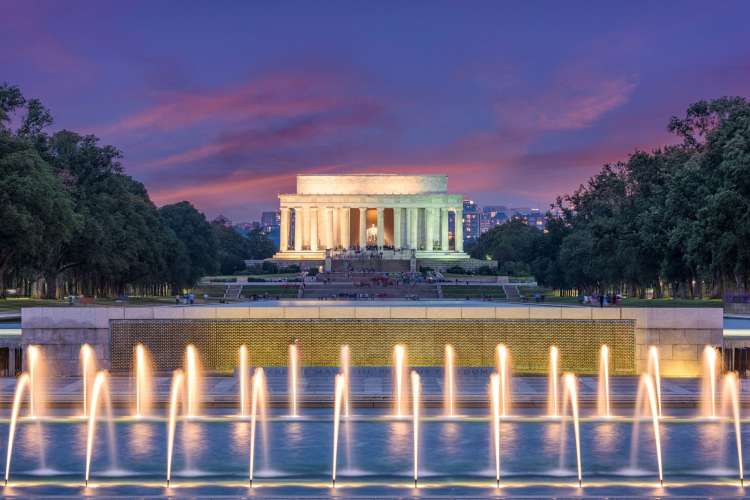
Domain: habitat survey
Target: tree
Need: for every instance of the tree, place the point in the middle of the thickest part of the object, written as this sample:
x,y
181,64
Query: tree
x,y
193,230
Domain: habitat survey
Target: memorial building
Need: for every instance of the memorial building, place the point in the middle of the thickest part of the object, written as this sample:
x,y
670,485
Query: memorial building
x,y
399,217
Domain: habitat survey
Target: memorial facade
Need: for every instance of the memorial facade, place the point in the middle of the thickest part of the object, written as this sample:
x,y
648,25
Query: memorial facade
x,y
398,216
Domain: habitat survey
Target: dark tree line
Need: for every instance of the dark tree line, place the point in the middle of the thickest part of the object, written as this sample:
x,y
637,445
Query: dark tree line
x,y
73,222
675,220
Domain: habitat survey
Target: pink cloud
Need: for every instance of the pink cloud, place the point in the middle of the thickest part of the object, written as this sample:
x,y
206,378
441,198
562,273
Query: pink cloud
x,y
275,96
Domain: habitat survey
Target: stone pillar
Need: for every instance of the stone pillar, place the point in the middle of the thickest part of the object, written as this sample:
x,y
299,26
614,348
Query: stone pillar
x,y
284,230
306,228
345,229
444,229
428,228
397,228
314,229
414,229
298,225
329,228
381,227
363,228
336,231
459,236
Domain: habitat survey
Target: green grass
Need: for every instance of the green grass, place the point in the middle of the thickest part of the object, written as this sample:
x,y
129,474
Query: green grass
x,y
284,292
470,277
472,291
644,302
12,305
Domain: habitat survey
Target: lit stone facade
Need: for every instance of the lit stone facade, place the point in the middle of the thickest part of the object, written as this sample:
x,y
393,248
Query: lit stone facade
x,y
392,214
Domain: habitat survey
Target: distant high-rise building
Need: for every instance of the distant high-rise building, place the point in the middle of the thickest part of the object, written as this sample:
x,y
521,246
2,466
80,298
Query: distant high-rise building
x,y
268,219
471,221
491,216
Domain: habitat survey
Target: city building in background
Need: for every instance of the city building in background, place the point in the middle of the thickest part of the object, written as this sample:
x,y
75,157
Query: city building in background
x,y
471,221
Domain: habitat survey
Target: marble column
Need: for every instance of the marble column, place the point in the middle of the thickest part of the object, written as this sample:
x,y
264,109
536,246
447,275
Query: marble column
x,y
314,229
363,228
397,228
284,230
381,227
459,236
298,226
345,228
306,228
444,229
413,228
429,234
336,227
329,227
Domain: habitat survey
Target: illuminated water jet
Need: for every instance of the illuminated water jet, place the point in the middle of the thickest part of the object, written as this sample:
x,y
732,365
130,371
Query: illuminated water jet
x,y
178,382
603,404
193,377
495,402
449,396
653,369
88,371
345,363
338,399
34,357
415,390
651,392
570,393
399,376
293,380
553,377
731,395
243,374
99,392
21,385
710,372
257,406
143,382
647,392
504,370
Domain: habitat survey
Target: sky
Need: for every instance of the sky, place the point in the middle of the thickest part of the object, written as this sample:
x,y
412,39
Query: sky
x,y
222,103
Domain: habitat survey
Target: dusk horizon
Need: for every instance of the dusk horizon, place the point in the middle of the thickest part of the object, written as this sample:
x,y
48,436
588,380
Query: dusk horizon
x,y
516,104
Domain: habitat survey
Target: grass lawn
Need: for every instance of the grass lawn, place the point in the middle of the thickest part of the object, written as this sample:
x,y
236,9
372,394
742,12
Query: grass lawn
x,y
471,277
644,302
472,291
11,305
284,292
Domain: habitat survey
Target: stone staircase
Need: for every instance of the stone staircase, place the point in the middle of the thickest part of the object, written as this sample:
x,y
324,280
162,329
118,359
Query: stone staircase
x,y
512,293
232,291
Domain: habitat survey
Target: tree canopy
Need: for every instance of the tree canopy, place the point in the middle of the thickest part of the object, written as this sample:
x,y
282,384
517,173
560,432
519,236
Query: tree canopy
x,y
74,222
673,220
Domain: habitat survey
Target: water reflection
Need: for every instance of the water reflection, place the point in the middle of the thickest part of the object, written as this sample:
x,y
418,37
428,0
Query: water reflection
x,y
141,440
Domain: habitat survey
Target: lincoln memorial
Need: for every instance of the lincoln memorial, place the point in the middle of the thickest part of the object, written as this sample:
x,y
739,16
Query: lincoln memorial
x,y
398,216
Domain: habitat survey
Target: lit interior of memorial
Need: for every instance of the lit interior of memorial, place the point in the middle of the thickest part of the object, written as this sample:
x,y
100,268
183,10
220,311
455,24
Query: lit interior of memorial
x,y
268,438
393,215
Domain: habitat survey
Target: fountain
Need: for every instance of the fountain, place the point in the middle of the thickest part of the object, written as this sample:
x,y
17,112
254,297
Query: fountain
x,y
293,380
449,391
178,382
243,373
570,393
495,400
603,404
415,389
21,385
88,371
143,382
708,393
731,396
345,362
652,368
36,380
503,369
99,391
193,377
339,395
257,405
399,376
553,392
647,389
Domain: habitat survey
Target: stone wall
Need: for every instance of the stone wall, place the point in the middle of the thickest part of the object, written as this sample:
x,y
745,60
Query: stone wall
x,y
679,333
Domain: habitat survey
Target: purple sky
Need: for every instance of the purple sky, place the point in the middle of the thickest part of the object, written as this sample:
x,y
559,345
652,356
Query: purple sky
x,y
222,103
